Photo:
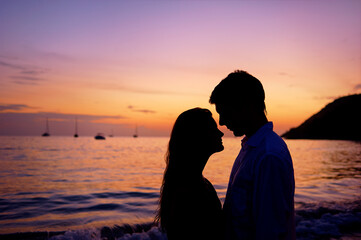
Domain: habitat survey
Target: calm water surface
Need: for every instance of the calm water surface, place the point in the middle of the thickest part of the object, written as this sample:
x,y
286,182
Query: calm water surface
x,y
63,183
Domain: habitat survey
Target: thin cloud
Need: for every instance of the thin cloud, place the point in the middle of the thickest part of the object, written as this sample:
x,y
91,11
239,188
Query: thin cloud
x,y
87,117
31,72
142,90
14,107
52,115
326,97
27,78
285,74
24,68
11,65
146,111
25,83
357,86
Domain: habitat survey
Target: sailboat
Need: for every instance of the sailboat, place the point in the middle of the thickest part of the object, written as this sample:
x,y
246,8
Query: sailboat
x,y
135,135
76,128
46,134
100,136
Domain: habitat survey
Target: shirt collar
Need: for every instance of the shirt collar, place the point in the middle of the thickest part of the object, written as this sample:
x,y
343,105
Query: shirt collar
x,y
256,138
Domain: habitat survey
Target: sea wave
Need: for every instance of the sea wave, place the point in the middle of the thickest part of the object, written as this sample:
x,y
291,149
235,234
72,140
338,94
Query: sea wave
x,y
89,185
326,220
127,232
322,220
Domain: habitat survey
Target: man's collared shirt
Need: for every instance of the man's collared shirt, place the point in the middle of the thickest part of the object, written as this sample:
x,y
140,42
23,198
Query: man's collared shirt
x,y
260,197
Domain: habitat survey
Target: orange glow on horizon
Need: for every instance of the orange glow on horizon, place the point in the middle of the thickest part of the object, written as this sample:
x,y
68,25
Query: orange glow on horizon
x,y
144,68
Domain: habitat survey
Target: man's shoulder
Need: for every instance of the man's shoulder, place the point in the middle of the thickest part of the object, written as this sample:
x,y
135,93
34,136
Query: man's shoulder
x,y
274,145
273,140
274,153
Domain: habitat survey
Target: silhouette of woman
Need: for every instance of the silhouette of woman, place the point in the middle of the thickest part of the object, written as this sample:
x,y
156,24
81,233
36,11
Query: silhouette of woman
x,y
189,207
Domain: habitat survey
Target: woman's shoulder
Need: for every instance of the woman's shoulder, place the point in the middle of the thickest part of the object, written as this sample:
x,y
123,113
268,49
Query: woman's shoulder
x,y
209,186
206,181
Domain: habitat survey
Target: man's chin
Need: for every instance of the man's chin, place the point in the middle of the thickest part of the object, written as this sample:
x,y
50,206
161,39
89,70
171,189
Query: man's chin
x,y
237,133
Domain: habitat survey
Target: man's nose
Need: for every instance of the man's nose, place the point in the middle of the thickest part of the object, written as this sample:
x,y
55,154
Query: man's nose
x,y
221,133
221,121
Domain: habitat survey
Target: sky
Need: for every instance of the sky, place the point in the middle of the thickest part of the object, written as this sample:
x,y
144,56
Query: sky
x,y
118,65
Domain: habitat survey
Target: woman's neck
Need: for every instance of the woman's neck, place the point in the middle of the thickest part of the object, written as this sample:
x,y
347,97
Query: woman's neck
x,y
196,171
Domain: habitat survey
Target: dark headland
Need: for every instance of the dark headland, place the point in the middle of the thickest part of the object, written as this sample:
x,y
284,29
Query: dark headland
x,y
338,120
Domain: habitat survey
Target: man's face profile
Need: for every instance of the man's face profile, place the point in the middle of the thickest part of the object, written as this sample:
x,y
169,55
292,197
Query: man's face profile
x,y
233,119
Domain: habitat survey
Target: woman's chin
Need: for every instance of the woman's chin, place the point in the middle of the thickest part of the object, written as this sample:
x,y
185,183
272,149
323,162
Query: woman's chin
x,y
220,148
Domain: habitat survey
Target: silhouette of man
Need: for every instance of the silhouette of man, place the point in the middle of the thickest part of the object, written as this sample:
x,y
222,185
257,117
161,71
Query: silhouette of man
x,y
259,202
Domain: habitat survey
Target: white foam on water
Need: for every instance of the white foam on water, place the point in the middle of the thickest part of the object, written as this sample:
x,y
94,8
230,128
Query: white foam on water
x,y
153,234
94,234
83,234
328,220
322,220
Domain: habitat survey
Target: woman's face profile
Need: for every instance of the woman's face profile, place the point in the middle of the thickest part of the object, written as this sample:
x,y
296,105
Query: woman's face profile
x,y
211,138
196,132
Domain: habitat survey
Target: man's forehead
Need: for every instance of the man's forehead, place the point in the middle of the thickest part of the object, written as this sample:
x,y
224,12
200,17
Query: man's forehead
x,y
221,107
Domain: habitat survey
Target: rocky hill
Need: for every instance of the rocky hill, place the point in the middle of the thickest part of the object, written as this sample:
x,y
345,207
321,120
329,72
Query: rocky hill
x,y
340,119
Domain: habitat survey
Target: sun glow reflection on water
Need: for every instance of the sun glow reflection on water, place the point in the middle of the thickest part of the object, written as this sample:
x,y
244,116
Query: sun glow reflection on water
x,y
61,183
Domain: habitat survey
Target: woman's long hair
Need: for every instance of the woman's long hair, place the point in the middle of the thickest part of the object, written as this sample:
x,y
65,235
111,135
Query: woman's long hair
x,y
184,140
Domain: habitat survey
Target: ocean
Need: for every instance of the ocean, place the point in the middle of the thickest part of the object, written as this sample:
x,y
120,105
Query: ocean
x,y
82,188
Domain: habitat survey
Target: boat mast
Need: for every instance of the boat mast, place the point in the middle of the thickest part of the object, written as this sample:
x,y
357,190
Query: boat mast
x,y
47,125
46,134
76,128
136,131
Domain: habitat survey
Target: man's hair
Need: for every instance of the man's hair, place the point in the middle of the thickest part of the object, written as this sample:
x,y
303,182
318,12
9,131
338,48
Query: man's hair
x,y
239,88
